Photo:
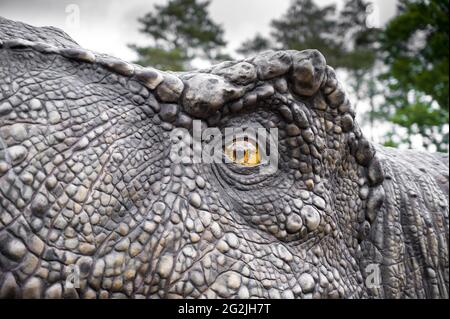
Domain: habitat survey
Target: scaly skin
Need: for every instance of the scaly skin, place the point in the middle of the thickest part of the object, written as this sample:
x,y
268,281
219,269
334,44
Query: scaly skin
x,y
87,179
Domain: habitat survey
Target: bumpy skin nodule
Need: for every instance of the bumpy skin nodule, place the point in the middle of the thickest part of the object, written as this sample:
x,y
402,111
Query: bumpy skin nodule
x,y
86,179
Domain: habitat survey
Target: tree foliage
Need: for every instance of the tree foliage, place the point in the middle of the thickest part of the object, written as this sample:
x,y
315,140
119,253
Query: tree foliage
x,y
254,45
358,39
180,30
415,50
306,26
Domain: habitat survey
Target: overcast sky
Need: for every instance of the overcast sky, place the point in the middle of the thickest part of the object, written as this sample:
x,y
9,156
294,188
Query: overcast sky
x,y
107,26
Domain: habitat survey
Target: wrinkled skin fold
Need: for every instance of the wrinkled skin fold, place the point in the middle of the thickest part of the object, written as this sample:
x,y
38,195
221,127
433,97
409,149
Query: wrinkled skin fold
x,y
87,182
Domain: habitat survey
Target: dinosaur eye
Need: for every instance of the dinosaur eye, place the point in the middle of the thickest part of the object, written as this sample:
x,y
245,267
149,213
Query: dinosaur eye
x,y
244,153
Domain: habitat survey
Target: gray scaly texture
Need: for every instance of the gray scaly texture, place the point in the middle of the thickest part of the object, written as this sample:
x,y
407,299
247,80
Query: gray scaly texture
x,y
87,180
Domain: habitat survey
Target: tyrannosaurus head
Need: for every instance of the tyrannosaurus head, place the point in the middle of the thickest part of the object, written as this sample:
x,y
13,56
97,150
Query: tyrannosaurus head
x,y
90,186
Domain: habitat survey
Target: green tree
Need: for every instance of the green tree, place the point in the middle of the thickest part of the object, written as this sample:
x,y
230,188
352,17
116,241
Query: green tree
x,y
361,55
344,37
180,30
254,45
359,41
415,51
306,26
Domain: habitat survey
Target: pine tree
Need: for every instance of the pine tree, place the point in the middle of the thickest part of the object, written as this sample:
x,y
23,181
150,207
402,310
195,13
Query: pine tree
x,y
360,57
180,30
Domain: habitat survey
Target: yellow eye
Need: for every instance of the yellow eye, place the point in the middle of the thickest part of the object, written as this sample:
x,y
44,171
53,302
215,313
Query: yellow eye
x,y
243,153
